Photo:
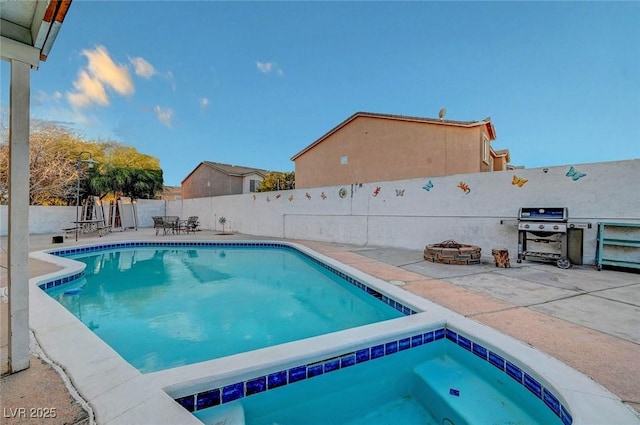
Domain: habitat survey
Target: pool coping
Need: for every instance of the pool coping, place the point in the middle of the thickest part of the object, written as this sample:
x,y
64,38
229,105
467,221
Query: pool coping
x,y
123,395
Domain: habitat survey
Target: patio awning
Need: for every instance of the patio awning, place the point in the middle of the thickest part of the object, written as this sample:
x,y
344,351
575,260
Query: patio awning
x,y
28,29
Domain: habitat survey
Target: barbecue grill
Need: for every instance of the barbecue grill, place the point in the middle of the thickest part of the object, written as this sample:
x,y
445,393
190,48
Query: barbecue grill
x,y
542,235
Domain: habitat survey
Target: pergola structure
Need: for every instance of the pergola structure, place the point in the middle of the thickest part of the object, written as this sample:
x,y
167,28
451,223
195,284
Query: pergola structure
x,y
28,29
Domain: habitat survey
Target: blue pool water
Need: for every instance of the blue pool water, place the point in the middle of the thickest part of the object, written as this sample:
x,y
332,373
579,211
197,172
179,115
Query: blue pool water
x,y
433,384
163,307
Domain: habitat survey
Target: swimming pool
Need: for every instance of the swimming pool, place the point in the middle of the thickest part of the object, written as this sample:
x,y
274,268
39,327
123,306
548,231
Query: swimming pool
x,y
121,394
232,297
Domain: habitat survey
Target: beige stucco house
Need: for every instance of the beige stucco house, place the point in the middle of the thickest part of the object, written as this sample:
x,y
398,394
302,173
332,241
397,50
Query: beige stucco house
x,y
370,147
216,179
501,160
170,193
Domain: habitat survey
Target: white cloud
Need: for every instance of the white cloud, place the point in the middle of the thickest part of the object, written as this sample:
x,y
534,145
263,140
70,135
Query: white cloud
x,y
100,74
89,91
269,67
103,68
42,98
142,67
164,115
204,103
264,67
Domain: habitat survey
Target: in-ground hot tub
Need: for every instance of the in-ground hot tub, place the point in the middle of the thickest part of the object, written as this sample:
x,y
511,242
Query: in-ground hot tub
x,y
430,377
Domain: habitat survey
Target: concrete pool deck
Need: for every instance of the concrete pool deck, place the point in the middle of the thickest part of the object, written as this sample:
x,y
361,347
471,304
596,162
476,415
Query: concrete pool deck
x,y
590,320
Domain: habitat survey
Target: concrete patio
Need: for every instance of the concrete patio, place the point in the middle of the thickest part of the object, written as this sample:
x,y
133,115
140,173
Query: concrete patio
x,y
590,320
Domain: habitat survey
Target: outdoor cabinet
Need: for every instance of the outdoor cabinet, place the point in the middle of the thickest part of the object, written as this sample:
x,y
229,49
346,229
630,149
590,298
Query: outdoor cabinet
x,y
618,245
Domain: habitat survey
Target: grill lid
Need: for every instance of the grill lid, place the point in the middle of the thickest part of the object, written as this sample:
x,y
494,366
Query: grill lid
x,y
543,214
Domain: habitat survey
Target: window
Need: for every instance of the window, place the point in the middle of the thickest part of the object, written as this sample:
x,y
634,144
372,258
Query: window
x,y
253,185
344,159
485,149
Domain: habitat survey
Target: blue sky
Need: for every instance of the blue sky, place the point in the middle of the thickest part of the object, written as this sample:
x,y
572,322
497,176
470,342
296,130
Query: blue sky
x,y
253,83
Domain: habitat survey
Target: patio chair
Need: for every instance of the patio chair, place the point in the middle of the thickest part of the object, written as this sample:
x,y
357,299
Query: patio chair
x,y
171,223
192,224
168,223
158,223
189,225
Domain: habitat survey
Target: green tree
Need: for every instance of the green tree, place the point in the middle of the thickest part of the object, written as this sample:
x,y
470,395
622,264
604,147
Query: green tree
x,y
133,182
56,155
52,176
276,180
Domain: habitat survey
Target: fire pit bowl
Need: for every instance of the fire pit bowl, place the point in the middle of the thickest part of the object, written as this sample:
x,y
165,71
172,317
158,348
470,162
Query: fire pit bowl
x,y
452,252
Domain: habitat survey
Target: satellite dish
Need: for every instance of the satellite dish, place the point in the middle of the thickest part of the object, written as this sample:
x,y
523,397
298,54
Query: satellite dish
x,y
442,113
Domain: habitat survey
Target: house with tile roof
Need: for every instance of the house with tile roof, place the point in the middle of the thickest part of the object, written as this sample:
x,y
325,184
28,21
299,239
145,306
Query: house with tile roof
x,y
216,179
370,147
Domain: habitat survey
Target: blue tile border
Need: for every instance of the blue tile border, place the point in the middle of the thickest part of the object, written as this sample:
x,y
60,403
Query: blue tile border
x,y
496,360
60,281
565,416
195,244
297,373
363,355
314,370
255,385
277,379
231,392
208,399
480,351
188,402
551,401
514,372
533,385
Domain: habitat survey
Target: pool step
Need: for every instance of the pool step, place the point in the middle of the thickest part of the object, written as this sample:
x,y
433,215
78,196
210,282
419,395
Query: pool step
x,y
227,414
456,395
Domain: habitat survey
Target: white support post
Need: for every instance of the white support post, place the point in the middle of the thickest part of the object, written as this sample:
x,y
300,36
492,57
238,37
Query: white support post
x,y
18,254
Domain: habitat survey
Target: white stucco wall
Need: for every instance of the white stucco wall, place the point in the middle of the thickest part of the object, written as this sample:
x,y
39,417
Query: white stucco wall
x,y
403,214
42,220
148,208
50,220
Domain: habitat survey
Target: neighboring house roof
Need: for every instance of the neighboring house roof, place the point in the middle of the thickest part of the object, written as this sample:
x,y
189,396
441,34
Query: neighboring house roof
x,y
230,170
486,122
503,152
171,191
